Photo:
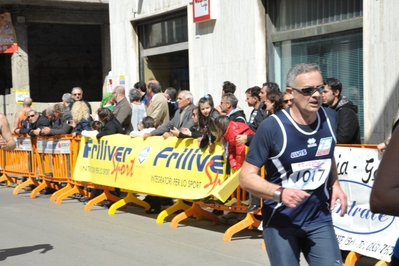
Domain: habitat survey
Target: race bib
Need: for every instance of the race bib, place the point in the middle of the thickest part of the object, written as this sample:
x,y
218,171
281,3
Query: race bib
x,y
308,175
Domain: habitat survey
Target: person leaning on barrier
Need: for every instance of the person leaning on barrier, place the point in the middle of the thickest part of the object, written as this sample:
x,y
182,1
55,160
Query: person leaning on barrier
x,y
49,113
192,132
385,189
36,124
182,118
65,116
293,143
7,141
111,124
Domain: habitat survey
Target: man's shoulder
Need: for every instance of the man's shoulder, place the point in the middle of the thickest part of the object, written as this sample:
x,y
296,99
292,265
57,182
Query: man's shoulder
x,y
238,116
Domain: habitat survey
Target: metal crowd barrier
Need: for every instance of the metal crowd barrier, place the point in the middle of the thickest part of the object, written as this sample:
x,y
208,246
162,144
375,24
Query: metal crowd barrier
x,y
19,165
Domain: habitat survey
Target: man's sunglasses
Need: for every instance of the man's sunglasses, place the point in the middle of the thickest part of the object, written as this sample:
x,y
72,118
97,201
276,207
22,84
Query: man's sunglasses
x,y
29,116
310,90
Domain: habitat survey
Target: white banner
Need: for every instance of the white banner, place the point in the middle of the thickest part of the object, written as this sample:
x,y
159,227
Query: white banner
x,y
23,144
53,146
360,230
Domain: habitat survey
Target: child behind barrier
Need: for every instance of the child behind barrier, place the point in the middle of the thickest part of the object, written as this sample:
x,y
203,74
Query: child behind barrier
x,y
206,117
226,132
95,126
145,126
192,132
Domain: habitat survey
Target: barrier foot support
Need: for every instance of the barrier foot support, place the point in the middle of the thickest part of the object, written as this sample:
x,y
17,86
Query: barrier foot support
x,y
37,189
106,195
9,180
193,210
29,181
248,221
352,258
123,202
66,194
58,193
179,205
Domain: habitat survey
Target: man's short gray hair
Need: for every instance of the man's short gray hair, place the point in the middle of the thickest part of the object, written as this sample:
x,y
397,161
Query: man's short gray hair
x,y
134,95
188,95
232,99
67,97
154,87
300,69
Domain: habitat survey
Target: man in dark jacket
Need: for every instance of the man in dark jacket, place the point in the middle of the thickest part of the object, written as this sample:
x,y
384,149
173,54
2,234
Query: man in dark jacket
x,y
228,105
348,129
35,125
262,113
65,116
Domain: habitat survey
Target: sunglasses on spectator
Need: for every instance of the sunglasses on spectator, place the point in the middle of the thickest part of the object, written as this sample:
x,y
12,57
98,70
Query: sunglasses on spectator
x,y
31,115
309,90
286,101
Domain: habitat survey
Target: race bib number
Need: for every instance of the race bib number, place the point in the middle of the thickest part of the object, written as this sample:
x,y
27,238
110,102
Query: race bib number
x,y
308,175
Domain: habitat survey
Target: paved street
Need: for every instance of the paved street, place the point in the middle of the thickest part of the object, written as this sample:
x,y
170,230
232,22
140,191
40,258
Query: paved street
x,y
39,232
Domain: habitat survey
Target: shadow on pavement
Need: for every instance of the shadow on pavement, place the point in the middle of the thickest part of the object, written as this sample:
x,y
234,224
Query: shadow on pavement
x,y
8,252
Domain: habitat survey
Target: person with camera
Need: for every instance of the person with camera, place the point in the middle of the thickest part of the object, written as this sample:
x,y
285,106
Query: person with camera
x,y
80,118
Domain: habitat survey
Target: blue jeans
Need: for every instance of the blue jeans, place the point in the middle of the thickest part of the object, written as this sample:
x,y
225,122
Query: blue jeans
x,y
317,242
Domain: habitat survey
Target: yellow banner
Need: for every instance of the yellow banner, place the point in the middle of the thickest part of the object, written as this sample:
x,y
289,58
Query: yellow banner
x,y
171,167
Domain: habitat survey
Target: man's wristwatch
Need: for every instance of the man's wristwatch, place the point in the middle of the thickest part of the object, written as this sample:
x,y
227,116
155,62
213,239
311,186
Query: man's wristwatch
x,y
277,194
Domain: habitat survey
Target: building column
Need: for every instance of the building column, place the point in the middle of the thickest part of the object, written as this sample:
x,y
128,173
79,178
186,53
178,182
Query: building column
x,y
19,60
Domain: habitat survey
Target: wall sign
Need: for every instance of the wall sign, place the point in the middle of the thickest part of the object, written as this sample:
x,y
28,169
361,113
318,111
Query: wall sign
x,y
203,10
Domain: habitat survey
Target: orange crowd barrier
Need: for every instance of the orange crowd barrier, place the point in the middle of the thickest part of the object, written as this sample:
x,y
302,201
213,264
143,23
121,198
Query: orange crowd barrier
x,y
53,157
20,165
354,258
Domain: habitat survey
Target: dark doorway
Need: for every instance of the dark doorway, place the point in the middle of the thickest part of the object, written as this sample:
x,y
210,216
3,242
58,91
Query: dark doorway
x,y
63,56
5,73
170,69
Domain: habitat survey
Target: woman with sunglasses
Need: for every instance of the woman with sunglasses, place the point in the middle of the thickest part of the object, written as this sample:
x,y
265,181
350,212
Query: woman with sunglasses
x,y
287,100
274,102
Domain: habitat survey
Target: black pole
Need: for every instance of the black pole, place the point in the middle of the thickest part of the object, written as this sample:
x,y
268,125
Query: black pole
x,y
6,91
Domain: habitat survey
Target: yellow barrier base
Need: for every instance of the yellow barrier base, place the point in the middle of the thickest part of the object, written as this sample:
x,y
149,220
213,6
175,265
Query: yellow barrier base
x,y
123,202
248,221
179,205
196,210
106,195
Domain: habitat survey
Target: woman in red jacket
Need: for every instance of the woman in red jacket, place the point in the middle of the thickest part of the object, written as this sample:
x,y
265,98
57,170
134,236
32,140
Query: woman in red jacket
x,y
226,132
